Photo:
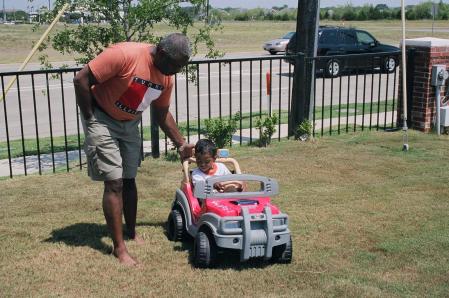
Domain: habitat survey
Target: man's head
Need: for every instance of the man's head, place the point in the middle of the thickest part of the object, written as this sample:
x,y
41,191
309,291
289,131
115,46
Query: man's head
x,y
172,53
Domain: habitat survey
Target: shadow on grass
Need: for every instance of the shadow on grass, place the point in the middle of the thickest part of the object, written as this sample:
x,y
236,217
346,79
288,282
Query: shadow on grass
x,y
230,259
160,224
82,234
226,258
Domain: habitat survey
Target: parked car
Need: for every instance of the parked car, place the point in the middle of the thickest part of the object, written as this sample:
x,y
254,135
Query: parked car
x,y
334,43
278,45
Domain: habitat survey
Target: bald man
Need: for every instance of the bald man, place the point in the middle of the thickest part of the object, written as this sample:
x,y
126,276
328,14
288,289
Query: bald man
x,y
112,91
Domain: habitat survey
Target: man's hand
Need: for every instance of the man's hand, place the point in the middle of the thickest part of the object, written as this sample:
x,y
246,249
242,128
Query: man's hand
x,y
186,150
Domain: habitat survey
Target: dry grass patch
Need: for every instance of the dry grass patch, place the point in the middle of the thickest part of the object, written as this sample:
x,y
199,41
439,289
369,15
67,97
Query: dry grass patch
x,y
18,40
366,220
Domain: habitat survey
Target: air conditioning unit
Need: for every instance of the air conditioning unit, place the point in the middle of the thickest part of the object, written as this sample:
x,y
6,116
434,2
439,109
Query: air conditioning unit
x,y
444,116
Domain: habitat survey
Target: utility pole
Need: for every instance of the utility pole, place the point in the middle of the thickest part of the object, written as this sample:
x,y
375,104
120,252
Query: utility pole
x,y
4,12
307,24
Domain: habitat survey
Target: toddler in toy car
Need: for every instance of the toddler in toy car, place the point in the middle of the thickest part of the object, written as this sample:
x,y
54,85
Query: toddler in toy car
x,y
206,154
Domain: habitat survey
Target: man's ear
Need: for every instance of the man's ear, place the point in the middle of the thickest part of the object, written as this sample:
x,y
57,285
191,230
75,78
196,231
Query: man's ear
x,y
160,52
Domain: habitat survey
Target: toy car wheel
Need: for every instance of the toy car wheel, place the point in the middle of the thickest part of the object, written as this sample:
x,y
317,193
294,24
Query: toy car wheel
x,y
175,226
283,253
204,250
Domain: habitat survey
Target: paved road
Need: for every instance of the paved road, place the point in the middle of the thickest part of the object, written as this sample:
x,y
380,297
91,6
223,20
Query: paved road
x,y
232,87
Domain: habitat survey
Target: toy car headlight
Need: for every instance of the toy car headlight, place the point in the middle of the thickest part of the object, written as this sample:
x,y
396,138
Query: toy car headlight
x,y
231,224
278,222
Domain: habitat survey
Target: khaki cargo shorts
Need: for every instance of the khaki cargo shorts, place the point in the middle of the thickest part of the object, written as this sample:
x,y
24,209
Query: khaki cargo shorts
x,y
112,147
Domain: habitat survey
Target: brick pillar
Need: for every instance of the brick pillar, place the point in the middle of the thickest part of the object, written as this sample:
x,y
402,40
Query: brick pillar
x,y
428,51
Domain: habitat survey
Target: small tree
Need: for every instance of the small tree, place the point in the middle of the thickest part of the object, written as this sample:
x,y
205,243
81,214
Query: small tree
x,y
110,21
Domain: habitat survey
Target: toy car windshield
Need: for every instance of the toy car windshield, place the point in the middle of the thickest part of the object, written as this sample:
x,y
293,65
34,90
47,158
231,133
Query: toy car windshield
x,y
205,189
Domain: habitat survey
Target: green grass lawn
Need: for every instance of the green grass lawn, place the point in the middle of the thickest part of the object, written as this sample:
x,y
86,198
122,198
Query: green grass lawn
x,y
367,220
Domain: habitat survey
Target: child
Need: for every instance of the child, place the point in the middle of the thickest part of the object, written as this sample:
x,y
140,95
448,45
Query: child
x,y
205,155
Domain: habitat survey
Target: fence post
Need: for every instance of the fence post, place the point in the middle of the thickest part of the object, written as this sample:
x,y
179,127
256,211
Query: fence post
x,y
155,151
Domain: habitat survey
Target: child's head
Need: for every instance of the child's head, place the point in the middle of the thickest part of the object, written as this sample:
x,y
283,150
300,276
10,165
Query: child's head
x,y
205,154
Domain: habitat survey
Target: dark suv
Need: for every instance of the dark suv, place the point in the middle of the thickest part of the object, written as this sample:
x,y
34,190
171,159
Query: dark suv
x,y
341,49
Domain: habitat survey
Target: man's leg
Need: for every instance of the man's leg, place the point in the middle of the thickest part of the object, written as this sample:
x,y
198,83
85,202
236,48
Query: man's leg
x,y
112,209
130,207
130,150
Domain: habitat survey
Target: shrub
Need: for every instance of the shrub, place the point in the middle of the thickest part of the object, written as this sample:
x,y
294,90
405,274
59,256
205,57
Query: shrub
x,y
304,130
267,128
220,131
172,155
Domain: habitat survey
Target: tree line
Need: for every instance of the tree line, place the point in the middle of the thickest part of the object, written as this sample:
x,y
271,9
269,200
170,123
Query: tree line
x,y
424,10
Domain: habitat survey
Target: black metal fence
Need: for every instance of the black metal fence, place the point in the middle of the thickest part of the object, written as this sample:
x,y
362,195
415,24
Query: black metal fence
x,y
40,128
364,94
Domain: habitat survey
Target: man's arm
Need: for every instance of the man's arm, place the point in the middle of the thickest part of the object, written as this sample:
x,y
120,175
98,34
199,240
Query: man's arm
x,y
165,120
82,82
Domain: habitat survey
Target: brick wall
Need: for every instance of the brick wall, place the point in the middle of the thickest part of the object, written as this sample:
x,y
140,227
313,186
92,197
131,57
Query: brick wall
x,y
427,52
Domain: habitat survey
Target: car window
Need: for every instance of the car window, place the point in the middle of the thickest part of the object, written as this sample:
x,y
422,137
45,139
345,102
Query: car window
x,y
348,37
328,36
288,35
364,38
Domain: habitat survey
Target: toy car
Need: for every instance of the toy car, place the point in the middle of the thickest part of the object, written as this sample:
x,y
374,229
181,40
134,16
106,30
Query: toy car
x,y
244,221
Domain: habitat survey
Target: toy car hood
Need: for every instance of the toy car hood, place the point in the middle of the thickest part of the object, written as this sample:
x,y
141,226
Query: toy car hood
x,y
231,204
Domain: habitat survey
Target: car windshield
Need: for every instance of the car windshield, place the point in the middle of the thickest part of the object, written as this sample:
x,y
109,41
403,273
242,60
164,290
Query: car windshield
x,y
288,35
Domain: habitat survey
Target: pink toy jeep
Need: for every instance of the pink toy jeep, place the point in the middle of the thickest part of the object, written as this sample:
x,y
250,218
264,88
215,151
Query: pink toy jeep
x,y
244,221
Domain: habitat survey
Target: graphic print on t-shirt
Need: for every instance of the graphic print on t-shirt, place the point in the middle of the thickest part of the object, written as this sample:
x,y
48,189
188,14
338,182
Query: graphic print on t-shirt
x,y
138,96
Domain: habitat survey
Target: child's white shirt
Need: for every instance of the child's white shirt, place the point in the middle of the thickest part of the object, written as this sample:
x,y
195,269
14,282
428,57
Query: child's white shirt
x,y
198,175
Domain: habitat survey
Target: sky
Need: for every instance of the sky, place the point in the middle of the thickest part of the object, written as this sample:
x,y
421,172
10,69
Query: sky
x,y
24,4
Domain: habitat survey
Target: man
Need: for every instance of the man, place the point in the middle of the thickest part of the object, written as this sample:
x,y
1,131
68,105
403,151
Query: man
x,y
112,91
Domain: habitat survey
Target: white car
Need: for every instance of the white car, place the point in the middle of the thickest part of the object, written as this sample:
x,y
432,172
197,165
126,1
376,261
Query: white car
x,y
277,45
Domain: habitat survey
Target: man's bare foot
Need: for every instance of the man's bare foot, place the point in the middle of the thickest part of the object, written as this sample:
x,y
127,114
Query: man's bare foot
x,y
123,256
139,240
136,238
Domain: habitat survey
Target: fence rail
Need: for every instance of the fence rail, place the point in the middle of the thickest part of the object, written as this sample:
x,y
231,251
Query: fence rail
x,y
40,125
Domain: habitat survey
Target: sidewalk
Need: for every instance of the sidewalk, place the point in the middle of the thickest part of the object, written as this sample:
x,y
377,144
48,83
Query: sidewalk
x,y
32,162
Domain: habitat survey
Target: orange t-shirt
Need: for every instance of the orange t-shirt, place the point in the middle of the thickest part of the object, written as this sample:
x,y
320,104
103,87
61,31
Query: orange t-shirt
x,y
129,81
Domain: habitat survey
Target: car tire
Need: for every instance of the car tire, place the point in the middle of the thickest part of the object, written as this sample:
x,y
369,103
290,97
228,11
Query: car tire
x,y
175,226
389,65
273,52
333,68
204,250
283,253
